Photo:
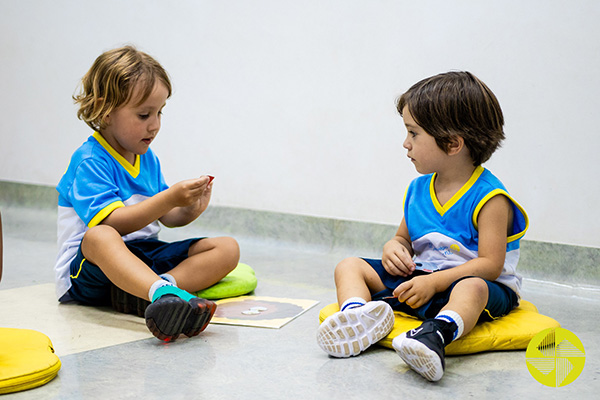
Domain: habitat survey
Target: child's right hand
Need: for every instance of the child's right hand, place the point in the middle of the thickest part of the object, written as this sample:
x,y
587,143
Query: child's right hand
x,y
396,259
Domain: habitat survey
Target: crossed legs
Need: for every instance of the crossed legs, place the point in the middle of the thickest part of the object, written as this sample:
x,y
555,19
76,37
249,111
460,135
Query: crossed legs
x,y
209,260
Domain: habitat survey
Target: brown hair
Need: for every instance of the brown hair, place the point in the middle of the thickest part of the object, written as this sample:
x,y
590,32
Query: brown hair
x,y
110,82
457,103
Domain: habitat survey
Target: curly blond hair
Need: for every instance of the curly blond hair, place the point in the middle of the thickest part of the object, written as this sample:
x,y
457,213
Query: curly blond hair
x,y
110,82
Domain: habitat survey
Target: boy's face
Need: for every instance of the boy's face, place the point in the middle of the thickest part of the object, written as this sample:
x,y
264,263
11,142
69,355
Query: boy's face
x,y
422,148
131,128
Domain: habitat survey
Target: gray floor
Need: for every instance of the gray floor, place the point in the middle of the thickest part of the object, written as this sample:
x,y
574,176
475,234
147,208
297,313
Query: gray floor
x,y
232,362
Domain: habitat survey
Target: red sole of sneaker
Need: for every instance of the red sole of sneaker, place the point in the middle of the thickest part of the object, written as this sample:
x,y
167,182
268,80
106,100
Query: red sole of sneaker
x,y
202,312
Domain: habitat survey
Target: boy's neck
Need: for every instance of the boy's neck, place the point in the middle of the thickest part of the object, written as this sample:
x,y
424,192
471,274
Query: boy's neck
x,y
451,180
128,157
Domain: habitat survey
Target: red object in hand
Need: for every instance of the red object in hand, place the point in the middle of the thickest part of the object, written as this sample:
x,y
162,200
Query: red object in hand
x,y
210,178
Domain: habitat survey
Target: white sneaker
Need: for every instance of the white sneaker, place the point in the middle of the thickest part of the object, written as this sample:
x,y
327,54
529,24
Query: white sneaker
x,y
350,332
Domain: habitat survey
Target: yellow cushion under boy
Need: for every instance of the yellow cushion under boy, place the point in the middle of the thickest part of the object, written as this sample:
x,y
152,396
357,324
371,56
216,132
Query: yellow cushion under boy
x,y
511,332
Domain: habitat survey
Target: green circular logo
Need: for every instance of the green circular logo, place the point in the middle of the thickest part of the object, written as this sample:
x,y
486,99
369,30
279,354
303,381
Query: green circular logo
x,y
555,357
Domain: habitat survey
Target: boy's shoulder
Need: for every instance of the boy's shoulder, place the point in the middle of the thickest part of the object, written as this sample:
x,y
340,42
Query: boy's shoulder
x,y
87,157
88,149
489,179
421,181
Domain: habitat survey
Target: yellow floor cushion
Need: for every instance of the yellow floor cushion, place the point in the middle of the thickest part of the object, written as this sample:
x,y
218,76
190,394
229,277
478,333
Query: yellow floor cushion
x,y
511,332
27,360
238,282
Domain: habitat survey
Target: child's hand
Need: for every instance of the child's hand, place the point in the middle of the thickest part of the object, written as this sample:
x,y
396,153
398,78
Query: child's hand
x,y
417,291
396,259
189,192
205,197
187,200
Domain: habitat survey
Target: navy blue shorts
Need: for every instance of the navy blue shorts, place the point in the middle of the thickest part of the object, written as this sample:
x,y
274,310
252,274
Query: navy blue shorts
x,y
89,285
501,299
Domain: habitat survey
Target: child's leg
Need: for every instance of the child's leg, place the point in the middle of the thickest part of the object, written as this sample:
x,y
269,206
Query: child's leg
x,y
423,348
104,247
354,277
209,261
173,311
468,299
361,322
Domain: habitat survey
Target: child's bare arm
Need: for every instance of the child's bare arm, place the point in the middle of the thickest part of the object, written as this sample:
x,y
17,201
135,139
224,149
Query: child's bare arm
x,y
183,195
493,221
397,253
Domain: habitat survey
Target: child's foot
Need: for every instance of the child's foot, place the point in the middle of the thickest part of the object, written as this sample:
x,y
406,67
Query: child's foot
x,y
169,315
423,350
350,332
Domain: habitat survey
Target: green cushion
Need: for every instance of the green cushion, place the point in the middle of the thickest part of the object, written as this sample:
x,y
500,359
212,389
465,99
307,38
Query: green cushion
x,y
238,282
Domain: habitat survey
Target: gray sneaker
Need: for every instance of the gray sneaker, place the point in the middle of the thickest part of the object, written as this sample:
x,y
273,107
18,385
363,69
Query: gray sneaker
x,y
350,332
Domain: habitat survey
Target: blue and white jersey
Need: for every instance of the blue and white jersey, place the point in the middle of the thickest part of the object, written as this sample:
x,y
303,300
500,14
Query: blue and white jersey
x,y
447,235
97,181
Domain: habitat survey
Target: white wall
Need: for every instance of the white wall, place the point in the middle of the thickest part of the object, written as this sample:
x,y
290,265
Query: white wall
x,y
291,104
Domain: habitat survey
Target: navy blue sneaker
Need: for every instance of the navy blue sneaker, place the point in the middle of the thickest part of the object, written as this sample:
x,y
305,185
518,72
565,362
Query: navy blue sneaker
x,y
422,349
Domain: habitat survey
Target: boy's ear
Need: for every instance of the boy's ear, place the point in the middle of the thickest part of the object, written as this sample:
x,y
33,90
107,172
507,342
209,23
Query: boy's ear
x,y
456,145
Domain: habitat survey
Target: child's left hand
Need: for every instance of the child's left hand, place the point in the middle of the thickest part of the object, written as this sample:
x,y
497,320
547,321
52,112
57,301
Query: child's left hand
x,y
417,291
204,198
192,205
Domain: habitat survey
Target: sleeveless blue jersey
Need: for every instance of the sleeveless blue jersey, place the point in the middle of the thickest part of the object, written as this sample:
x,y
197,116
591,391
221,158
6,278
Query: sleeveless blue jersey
x,y
447,235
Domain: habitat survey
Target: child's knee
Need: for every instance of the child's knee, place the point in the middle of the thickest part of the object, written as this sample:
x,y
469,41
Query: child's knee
x,y
229,248
348,265
100,234
475,285
232,247
96,239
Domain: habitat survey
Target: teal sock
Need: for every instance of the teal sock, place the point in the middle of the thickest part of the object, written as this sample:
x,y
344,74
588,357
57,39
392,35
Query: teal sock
x,y
159,283
168,288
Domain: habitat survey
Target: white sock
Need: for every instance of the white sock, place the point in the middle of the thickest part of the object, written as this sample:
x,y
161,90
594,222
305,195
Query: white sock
x,y
452,316
169,278
159,283
353,302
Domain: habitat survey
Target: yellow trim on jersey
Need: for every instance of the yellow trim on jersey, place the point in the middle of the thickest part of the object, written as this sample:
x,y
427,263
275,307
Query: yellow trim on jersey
x,y
497,192
134,170
104,213
442,209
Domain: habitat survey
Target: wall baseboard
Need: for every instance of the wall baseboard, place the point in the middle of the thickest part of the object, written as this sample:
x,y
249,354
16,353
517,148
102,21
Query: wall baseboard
x,y
559,263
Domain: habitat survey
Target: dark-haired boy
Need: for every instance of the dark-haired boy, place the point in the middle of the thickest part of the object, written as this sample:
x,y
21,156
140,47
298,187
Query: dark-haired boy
x,y
459,222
